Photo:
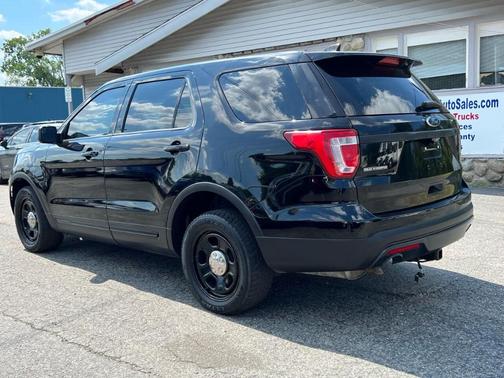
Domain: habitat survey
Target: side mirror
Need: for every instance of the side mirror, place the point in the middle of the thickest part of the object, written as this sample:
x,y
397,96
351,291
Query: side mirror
x,y
48,134
3,143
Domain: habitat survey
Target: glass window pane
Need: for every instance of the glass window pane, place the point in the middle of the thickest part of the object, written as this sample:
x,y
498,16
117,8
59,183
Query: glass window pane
x,y
153,105
34,135
98,116
184,115
492,60
20,137
367,87
264,94
438,71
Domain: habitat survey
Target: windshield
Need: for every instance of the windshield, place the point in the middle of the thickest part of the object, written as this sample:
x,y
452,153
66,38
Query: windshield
x,y
374,85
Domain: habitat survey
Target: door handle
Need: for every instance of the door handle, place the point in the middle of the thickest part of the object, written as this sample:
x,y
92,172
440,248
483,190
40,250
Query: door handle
x,y
90,154
176,147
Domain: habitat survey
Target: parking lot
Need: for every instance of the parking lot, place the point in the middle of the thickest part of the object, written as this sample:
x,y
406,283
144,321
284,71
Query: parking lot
x,y
94,310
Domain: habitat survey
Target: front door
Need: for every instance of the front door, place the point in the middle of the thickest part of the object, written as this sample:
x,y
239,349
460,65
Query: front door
x,y
156,146
76,187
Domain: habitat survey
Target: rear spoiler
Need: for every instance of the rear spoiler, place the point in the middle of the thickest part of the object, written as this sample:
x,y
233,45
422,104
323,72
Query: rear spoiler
x,y
402,60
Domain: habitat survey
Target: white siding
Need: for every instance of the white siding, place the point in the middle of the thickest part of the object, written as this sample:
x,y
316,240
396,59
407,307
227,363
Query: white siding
x,y
91,81
85,49
253,24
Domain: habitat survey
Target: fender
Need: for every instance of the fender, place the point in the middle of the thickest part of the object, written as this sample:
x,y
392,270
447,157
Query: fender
x,y
38,192
221,191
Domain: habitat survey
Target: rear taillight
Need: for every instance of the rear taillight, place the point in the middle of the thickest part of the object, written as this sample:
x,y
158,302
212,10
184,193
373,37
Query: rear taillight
x,y
407,248
337,150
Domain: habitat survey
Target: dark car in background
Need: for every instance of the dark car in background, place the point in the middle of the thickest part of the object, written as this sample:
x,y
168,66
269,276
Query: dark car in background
x,y
284,162
26,134
7,129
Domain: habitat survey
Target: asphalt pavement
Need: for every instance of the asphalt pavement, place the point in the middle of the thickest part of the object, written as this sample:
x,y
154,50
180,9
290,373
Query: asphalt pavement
x,y
94,310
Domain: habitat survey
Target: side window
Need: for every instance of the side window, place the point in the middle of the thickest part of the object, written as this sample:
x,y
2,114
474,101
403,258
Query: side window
x,y
34,135
98,116
264,94
20,137
154,104
185,115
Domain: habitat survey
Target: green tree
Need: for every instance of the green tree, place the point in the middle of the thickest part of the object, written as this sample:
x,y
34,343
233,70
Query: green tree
x,y
24,68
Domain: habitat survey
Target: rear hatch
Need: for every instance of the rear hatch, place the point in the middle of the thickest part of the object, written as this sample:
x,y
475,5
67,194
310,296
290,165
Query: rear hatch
x,y
409,143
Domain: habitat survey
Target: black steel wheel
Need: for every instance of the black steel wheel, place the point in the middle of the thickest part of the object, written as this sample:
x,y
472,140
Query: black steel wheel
x,y
216,265
32,225
223,264
29,220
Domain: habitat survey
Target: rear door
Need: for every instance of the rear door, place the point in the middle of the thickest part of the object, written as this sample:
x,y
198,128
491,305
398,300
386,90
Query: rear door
x,y
155,148
409,144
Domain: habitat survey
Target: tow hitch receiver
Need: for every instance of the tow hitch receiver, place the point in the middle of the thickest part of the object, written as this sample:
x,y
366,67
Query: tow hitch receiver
x,y
419,274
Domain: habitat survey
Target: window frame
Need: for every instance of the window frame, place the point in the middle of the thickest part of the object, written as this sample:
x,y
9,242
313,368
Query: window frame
x,y
95,94
478,35
473,27
121,122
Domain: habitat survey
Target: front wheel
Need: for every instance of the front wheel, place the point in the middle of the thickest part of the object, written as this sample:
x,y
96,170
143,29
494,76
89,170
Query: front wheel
x,y
32,225
223,264
2,180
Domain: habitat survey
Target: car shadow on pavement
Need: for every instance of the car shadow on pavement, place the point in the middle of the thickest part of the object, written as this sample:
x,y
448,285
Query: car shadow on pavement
x,y
447,324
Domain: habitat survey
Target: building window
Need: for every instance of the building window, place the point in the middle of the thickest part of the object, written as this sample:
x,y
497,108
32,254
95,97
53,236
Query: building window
x,y
443,54
491,54
386,44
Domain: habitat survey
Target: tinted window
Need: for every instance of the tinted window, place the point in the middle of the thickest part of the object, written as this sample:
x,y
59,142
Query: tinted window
x,y
98,116
20,137
185,115
153,105
264,94
369,85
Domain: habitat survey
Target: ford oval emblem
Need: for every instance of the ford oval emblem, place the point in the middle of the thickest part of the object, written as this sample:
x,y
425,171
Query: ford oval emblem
x,y
433,121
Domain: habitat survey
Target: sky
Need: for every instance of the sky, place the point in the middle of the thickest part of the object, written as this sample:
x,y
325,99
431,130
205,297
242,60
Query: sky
x,y
23,17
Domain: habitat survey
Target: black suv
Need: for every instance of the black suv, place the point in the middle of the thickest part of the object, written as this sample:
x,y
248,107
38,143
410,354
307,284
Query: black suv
x,y
287,162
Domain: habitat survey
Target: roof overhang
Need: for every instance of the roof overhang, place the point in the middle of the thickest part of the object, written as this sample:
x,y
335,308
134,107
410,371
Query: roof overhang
x,y
164,30
53,43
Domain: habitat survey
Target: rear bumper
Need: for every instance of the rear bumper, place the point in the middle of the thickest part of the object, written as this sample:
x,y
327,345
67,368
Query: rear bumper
x,y
433,227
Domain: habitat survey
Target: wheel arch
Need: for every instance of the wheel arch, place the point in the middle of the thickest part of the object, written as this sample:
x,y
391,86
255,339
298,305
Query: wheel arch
x,y
204,190
21,180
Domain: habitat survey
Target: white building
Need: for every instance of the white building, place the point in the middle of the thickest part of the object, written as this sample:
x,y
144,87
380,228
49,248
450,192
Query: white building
x,y
461,43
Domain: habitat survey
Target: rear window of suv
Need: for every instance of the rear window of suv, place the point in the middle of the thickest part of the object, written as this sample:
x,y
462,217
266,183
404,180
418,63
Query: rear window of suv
x,y
374,85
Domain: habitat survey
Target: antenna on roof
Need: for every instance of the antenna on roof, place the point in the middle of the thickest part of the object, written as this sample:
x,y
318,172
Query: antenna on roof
x,y
333,47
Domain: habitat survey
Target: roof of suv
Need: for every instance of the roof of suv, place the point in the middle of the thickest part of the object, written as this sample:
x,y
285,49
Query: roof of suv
x,y
43,123
273,58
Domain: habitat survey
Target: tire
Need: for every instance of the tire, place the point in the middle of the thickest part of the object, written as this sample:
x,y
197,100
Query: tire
x,y
40,238
2,180
247,279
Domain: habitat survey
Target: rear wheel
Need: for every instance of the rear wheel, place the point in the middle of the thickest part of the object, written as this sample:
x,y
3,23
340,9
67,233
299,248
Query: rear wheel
x,y
32,226
223,264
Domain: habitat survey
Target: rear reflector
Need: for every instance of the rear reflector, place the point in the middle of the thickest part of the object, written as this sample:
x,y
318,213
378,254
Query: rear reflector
x,y
406,248
337,150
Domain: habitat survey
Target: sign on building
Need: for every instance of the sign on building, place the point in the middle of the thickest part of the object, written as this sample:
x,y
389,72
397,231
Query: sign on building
x,y
481,120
